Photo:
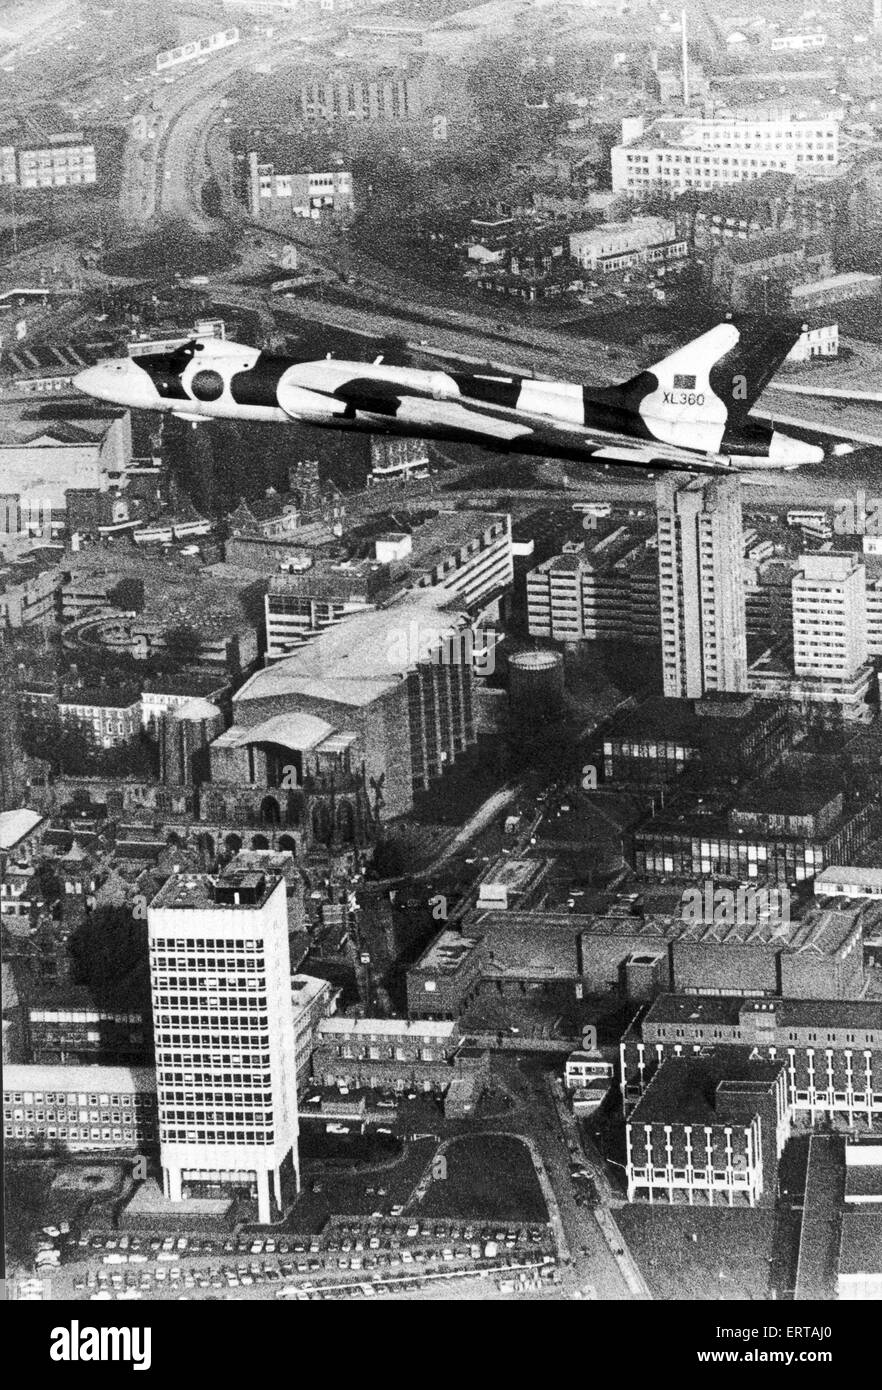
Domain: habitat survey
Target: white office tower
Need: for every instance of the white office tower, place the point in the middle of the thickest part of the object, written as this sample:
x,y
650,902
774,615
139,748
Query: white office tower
x,y
226,1070
829,616
701,583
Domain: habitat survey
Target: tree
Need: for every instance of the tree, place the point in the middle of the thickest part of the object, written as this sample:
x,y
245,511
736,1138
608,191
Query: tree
x,y
27,1186
128,594
182,643
109,953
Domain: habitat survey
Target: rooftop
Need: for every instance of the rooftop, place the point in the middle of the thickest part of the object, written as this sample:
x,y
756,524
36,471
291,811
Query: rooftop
x,y
18,1077
447,952
685,1090
860,1250
392,1027
243,889
15,825
865,1015
359,660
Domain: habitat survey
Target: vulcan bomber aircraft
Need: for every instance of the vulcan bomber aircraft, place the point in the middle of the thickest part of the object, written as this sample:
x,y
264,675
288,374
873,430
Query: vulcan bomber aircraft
x,y
690,411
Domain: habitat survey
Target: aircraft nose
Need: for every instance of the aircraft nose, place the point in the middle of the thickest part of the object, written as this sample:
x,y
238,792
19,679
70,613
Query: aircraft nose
x,y
118,381
92,382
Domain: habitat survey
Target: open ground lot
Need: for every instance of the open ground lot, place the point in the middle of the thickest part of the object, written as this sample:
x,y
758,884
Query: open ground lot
x,y
488,1177
706,1253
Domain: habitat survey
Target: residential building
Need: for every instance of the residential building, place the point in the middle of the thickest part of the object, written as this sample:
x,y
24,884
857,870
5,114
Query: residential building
x,y
759,272
704,641
834,289
271,516
21,834
226,1066
605,588
816,340
617,246
829,616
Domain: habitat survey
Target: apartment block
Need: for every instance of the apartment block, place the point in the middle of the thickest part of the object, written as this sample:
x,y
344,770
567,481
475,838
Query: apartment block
x,y
604,589
701,578
829,616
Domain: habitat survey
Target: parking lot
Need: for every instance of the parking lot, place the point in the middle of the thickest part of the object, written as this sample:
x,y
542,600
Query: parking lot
x,y
392,1257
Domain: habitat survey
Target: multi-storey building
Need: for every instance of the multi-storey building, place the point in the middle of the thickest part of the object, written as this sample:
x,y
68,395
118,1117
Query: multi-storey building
x,y
831,1048
829,616
446,978
312,999
603,589
681,153
785,827
616,246
61,161
380,1052
730,736
301,604
69,1026
226,1066
709,1129
306,194
701,579
389,96
107,718
465,556
82,1108
834,616
29,594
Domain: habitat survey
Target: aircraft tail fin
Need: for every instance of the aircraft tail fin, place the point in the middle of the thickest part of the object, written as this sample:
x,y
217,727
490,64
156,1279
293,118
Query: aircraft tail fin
x,y
699,391
735,360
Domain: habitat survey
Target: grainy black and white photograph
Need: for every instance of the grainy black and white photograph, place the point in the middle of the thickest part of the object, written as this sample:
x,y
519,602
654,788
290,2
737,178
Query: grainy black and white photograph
x,y
440,625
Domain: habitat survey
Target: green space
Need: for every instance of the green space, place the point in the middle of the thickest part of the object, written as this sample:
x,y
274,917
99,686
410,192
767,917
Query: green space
x,y
490,1177
373,1165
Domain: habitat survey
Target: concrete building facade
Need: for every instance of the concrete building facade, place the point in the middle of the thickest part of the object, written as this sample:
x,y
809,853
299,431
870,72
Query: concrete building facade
x,y
701,579
226,1069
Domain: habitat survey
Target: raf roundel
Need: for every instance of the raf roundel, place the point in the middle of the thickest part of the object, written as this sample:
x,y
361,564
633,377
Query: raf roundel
x,y
207,386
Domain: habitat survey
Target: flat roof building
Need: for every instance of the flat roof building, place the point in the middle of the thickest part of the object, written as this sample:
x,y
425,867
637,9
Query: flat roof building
x,y
226,1064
